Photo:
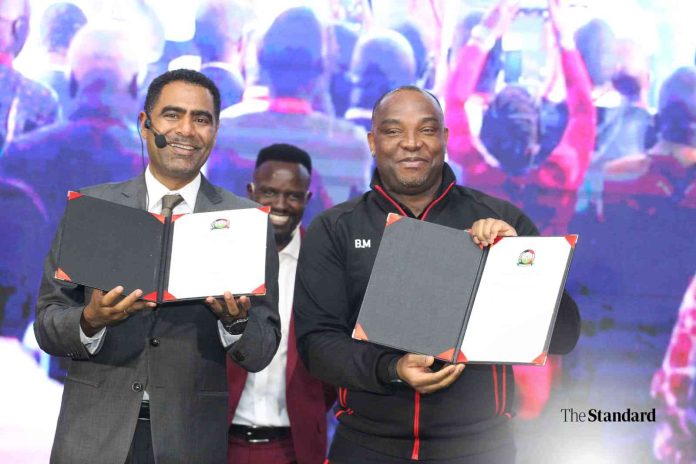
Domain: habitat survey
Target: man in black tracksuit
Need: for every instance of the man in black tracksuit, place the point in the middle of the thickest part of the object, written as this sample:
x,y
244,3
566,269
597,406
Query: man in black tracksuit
x,y
396,407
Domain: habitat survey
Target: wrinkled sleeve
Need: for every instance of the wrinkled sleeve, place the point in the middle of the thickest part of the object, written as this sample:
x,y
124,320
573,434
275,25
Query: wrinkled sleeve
x,y
58,311
255,349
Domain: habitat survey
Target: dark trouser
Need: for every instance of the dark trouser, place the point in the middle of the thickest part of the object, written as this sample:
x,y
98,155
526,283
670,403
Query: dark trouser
x,y
346,452
141,448
278,451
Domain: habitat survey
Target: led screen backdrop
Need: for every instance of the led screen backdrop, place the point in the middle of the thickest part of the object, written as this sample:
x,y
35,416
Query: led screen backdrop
x,y
584,120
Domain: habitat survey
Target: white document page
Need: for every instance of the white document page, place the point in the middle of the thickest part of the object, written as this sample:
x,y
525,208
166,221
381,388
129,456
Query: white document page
x,y
218,251
516,300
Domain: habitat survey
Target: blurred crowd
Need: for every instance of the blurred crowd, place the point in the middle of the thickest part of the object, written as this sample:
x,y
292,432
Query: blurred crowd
x,y
560,125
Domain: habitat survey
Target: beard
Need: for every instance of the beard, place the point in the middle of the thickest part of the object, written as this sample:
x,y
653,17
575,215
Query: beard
x,y
410,182
413,182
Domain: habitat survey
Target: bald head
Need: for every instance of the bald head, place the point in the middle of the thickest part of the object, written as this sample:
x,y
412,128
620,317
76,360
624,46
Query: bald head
x,y
220,28
105,51
407,88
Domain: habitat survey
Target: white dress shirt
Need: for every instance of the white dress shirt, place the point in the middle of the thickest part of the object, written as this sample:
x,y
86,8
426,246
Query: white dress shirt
x,y
155,192
263,399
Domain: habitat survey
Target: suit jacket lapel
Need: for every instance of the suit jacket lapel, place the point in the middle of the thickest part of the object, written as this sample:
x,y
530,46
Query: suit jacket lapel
x,y
207,198
292,354
134,192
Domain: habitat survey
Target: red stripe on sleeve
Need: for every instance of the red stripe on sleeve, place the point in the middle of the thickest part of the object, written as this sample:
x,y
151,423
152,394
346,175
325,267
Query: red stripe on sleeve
x,y
416,426
495,389
502,406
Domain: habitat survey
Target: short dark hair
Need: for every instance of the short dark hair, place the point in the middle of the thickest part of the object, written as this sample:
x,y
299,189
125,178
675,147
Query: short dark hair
x,y
510,124
181,75
284,152
676,109
412,88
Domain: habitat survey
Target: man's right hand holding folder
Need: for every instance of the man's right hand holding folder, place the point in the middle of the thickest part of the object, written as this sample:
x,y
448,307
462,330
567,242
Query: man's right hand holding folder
x,y
105,309
415,369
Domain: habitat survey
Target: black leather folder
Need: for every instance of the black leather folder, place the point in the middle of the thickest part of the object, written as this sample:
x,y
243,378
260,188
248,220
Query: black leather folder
x,y
105,244
433,291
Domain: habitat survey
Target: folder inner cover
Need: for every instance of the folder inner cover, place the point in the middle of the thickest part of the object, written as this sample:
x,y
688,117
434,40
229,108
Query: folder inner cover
x,y
517,299
433,291
420,288
105,244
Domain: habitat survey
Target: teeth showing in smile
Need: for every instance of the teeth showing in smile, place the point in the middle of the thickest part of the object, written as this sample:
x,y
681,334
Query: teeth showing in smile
x,y
279,220
183,147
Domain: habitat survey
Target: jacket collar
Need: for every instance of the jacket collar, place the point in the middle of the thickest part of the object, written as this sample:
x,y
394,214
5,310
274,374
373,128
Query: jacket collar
x,y
390,204
135,192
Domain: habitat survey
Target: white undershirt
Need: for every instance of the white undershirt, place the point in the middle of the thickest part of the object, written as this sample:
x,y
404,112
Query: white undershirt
x,y
263,399
156,191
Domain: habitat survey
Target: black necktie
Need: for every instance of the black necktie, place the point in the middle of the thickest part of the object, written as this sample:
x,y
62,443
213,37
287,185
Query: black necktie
x,y
169,202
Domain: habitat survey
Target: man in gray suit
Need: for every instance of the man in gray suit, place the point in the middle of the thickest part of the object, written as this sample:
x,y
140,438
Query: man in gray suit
x,y
148,383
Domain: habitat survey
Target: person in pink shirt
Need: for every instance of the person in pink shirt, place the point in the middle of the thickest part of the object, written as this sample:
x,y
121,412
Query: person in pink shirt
x,y
511,159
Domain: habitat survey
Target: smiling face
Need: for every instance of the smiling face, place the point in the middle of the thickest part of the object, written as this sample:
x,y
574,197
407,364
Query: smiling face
x,y
284,186
184,114
408,139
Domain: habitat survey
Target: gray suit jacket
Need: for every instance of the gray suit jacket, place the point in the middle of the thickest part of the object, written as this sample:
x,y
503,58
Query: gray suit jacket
x,y
174,352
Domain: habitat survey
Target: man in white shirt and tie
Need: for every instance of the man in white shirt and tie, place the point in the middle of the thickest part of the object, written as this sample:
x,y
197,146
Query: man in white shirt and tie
x,y
148,383
278,415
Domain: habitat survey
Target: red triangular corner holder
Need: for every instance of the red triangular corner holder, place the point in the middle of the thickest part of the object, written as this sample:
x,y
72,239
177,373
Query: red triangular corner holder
x,y
265,209
159,217
447,355
72,195
61,275
152,296
176,216
260,290
166,296
540,360
359,332
392,218
496,240
572,239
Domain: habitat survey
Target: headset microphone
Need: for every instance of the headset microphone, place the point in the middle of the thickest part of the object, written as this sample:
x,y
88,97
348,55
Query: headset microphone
x,y
160,140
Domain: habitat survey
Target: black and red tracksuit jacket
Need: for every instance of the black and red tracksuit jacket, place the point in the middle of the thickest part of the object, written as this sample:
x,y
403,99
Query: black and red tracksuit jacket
x,y
338,252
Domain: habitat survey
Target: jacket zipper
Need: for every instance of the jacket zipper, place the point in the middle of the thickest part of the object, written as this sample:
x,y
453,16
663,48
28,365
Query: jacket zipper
x,y
416,397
